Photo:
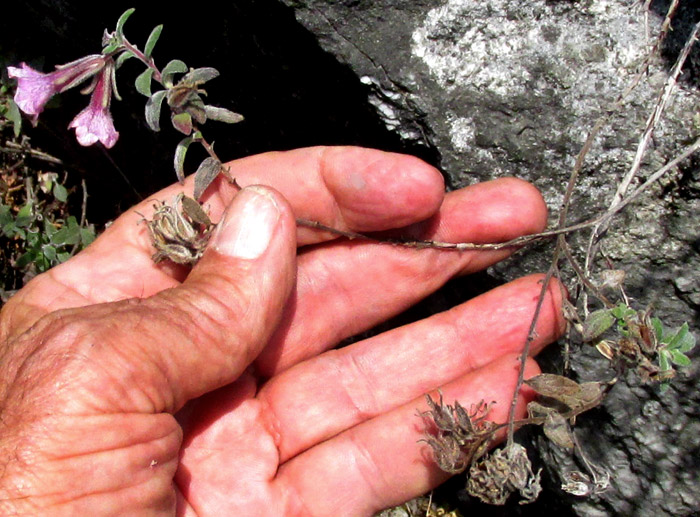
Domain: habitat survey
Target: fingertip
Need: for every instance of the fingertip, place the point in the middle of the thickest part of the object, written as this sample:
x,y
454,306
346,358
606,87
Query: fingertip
x,y
249,224
521,203
526,203
378,190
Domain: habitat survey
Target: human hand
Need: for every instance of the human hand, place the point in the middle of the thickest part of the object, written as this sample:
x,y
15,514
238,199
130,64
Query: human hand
x,y
128,387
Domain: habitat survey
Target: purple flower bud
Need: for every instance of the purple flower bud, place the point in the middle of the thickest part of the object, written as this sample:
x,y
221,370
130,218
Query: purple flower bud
x,y
34,88
95,122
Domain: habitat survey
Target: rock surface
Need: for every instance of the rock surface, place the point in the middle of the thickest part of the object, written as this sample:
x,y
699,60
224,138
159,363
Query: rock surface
x,y
510,87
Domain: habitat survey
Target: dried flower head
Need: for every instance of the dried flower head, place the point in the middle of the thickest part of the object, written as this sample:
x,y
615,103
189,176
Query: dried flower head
x,y
180,231
461,436
495,477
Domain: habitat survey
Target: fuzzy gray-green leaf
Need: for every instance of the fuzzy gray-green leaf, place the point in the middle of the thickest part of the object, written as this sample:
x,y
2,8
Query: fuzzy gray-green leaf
x,y
206,173
182,122
200,75
622,311
122,21
153,106
222,115
180,152
597,323
60,192
680,358
123,57
14,116
152,40
678,337
173,67
143,82
687,343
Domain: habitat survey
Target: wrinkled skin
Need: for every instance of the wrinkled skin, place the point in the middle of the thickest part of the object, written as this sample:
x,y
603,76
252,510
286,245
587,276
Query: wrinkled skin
x,y
130,388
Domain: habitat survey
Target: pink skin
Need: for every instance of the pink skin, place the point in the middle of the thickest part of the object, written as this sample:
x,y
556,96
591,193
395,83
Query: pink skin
x,y
217,391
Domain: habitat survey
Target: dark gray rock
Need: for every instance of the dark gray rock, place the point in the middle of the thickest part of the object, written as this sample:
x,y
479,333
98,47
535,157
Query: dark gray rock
x,y
509,87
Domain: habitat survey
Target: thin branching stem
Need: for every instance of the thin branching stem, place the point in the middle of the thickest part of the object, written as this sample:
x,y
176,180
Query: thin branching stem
x,y
148,61
652,122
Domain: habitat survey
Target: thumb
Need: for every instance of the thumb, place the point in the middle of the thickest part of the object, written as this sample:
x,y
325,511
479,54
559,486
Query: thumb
x,y
209,329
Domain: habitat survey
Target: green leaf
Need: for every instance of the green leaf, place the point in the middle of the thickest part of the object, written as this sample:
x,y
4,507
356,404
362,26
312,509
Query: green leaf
x,y
664,360
72,231
200,75
597,323
110,48
153,106
180,152
13,115
6,215
123,57
32,238
62,257
49,252
87,235
675,340
25,211
222,115
622,311
25,259
207,172
152,40
143,82
24,216
60,192
687,344
173,67
9,229
49,228
122,20
680,358
182,122
59,238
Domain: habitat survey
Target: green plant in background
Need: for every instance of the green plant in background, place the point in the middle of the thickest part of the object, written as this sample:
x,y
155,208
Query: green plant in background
x,y
9,111
43,240
37,231
641,340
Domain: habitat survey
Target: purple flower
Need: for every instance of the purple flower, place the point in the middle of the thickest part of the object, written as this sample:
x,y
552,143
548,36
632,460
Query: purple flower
x,y
34,89
95,122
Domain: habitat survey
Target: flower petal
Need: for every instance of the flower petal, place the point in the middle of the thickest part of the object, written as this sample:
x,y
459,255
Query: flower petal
x,y
34,89
92,125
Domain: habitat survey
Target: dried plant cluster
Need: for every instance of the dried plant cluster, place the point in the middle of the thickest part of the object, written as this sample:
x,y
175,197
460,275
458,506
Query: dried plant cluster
x,y
179,232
